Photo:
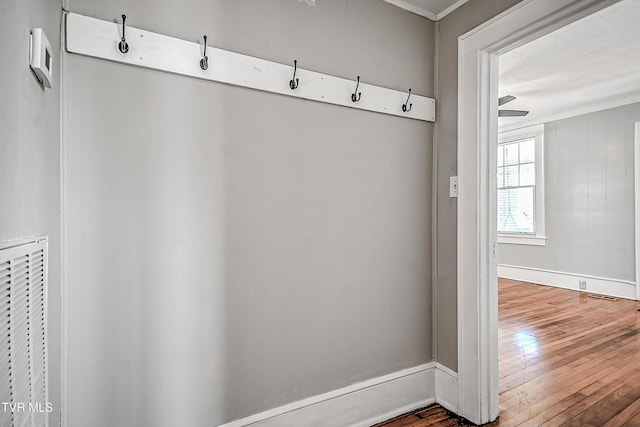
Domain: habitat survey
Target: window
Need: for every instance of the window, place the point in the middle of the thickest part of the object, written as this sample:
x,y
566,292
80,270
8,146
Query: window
x,y
517,187
521,187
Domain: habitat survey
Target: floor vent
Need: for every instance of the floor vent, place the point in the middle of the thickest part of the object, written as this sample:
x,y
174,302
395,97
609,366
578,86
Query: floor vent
x,y
23,336
604,297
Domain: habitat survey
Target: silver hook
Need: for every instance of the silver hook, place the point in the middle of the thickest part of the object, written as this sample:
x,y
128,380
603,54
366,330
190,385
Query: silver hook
x,y
404,106
123,45
293,83
204,62
354,97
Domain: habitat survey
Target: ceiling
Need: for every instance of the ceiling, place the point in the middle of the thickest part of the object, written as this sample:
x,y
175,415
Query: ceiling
x,y
590,65
432,9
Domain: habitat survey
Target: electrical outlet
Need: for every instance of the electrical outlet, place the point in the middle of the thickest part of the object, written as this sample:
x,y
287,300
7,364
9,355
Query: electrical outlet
x,y
583,285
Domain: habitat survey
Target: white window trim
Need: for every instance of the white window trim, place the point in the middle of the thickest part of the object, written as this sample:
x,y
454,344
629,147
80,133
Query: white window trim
x,y
525,239
539,239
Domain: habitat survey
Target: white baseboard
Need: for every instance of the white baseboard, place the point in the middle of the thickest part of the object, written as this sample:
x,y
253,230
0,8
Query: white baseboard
x,y
446,385
595,285
358,405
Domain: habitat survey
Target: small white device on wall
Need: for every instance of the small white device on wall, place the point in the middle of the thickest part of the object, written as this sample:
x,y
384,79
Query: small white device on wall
x,y
41,57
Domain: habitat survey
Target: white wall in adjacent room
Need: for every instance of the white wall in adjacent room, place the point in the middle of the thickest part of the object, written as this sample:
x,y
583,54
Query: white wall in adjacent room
x,y
589,208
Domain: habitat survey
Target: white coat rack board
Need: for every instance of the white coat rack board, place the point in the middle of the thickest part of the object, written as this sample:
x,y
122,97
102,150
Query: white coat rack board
x,y
102,39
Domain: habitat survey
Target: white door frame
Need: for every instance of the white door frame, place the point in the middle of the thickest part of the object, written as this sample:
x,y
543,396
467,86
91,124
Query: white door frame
x,y
478,53
636,172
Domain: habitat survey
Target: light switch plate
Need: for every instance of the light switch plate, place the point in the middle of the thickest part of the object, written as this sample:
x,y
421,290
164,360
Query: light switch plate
x,y
41,57
453,186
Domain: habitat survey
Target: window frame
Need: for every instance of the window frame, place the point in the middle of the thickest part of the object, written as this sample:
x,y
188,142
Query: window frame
x,y
535,132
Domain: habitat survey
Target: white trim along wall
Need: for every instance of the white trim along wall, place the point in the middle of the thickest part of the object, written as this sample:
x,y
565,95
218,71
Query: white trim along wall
x,y
368,402
558,279
636,171
477,309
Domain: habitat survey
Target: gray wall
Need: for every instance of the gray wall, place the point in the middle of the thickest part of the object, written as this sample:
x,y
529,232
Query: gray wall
x,y
467,17
231,250
589,207
30,152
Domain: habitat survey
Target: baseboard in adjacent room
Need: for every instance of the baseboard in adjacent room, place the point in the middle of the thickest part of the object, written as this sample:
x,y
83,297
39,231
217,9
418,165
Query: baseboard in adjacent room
x,y
595,285
359,405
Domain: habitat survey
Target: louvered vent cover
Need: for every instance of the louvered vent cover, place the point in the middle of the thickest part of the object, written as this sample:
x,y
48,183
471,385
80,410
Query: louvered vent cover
x,y
23,336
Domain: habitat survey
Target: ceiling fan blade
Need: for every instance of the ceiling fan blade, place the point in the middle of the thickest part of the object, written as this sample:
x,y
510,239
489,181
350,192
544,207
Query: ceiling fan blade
x,y
512,113
505,99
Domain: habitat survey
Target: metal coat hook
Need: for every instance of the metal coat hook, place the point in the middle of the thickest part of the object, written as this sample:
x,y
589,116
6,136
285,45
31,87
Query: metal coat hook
x,y
404,106
204,62
293,83
354,97
123,45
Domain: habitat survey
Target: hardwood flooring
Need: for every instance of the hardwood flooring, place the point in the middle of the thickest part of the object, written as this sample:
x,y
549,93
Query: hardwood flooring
x,y
566,359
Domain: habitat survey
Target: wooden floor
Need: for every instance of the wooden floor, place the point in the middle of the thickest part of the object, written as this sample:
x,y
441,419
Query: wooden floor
x,y
565,359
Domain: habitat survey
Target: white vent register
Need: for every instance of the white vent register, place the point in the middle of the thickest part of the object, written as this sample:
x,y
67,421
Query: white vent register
x,y
23,335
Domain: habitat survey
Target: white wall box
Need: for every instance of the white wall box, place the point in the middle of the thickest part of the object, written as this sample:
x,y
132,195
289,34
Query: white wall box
x,y
41,57
97,38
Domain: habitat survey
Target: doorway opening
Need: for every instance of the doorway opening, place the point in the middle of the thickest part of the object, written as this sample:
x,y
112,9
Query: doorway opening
x,y
477,163
566,261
